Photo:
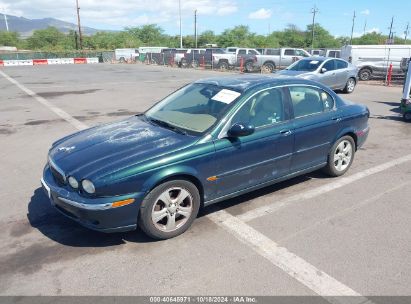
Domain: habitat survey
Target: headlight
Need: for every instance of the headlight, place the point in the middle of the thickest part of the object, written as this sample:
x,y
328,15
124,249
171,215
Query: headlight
x,y
88,186
73,182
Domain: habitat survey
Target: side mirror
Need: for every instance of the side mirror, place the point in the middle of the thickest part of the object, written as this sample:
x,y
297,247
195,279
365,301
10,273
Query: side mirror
x,y
323,70
240,129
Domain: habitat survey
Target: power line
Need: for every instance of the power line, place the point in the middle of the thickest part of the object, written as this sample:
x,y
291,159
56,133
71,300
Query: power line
x,y
314,11
352,28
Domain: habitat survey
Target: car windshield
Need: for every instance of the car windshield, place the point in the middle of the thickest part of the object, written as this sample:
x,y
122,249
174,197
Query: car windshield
x,y
305,65
194,108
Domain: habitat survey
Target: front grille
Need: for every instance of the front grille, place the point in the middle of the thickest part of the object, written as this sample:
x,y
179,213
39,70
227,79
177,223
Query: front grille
x,y
57,173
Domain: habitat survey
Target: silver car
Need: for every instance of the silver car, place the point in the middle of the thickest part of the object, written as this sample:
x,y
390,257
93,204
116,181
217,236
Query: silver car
x,y
335,73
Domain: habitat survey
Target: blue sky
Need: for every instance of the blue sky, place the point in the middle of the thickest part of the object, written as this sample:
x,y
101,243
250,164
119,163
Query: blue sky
x,y
217,15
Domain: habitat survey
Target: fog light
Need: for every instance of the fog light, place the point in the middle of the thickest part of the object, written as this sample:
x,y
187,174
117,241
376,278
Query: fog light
x,y
88,186
73,182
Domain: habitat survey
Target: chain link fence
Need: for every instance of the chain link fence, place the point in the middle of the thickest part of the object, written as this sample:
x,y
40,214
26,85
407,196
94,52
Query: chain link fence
x,y
106,56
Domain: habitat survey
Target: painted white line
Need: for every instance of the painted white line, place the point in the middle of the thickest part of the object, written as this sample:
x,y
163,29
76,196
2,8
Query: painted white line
x,y
307,274
63,114
340,182
355,207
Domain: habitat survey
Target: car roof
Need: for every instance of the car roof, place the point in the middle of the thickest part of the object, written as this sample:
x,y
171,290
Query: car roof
x,y
245,82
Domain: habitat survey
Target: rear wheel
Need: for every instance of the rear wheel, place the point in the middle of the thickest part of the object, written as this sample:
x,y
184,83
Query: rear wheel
x,y
223,65
350,86
169,209
365,74
407,116
122,60
268,67
341,156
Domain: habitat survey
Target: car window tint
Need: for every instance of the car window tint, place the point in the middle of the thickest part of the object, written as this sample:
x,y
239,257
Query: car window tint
x,y
241,52
264,108
329,65
272,52
341,64
252,52
306,100
289,52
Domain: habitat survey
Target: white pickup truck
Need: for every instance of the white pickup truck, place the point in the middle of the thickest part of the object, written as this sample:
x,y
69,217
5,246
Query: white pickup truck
x,y
272,59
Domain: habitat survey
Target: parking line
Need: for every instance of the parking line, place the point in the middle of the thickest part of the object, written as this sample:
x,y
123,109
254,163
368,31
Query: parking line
x,y
307,274
63,114
340,182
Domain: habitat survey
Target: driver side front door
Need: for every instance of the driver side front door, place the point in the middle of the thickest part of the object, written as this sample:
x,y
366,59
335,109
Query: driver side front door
x,y
265,155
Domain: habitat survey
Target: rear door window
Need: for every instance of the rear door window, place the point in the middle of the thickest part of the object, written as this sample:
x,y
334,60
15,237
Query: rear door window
x,y
341,64
289,52
309,100
329,65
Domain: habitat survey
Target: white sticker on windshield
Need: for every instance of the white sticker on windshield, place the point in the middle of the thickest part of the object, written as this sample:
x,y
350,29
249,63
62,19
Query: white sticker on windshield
x,y
226,96
314,62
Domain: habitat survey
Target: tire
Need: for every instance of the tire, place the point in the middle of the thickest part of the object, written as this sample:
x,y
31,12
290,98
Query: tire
x,y
268,67
122,60
365,74
407,116
350,86
173,217
194,64
341,156
249,66
223,65
183,63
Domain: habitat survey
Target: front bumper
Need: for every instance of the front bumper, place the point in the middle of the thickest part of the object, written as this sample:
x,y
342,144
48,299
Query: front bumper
x,y
93,213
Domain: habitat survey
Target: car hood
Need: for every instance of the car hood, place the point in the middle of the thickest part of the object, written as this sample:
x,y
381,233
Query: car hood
x,y
110,147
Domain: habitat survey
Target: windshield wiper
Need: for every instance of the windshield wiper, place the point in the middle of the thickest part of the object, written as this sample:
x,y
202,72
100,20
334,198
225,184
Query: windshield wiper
x,y
166,125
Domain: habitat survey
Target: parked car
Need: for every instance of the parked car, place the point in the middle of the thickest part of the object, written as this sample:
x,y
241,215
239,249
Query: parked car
x,y
209,141
272,59
123,55
374,60
188,57
337,74
165,57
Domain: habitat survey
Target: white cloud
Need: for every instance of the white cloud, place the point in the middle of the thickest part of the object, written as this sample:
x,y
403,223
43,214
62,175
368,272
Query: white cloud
x,y
262,13
119,13
365,12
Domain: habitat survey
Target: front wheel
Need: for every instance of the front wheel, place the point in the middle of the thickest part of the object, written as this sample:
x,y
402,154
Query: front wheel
x,y
340,157
407,116
169,209
350,86
365,74
249,66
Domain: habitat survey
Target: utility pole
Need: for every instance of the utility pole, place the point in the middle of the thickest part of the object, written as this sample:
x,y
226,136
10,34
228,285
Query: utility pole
x,y
181,35
352,28
314,11
5,20
195,27
79,25
406,33
390,35
365,26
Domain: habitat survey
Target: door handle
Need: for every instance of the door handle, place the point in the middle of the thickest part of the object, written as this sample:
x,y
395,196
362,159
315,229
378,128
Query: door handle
x,y
337,119
286,132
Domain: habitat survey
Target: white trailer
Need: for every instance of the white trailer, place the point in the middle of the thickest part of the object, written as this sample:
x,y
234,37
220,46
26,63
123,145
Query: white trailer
x,y
126,54
374,60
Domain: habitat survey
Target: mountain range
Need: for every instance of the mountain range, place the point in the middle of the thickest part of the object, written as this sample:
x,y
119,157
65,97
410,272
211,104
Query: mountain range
x,y
26,26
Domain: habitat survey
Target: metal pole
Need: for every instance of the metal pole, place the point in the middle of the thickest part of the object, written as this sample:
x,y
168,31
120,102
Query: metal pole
x,y
181,35
352,29
195,27
365,25
5,20
79,25
389,35
314,11
406,33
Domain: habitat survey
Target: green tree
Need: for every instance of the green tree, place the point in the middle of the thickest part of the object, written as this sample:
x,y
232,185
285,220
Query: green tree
x,y
150,34
49,38
237,36
206,38
9,38
322,38
370,38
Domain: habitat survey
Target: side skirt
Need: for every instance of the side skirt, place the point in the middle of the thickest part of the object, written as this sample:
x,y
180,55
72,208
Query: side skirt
x,y
263,185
